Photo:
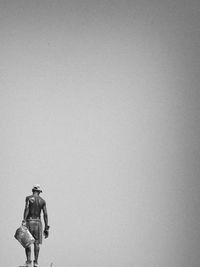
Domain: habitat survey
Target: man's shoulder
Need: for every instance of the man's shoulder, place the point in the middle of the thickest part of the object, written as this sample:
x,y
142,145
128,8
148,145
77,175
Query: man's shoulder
x,y
31,199
42,200
28,197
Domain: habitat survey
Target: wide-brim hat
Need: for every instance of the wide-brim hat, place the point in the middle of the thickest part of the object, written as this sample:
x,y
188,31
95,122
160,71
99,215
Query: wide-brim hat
x,y
37,187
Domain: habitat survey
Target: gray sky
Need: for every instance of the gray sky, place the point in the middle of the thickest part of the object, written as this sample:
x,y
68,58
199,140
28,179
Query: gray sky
x,y
100,104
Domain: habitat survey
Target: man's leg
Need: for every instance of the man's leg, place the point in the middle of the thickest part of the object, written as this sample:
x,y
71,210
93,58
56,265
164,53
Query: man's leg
x,y
28,254
36,252
38,241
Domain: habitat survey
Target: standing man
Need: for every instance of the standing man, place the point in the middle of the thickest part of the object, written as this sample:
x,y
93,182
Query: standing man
x,y
33,207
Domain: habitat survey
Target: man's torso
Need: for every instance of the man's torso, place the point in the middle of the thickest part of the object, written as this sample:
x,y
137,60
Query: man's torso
x,y
35,205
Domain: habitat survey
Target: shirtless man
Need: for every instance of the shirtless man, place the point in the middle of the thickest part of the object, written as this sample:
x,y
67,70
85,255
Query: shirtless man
x,y
33,207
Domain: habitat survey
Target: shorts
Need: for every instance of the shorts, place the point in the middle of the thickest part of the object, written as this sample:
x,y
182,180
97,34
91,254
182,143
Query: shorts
x,y
35,228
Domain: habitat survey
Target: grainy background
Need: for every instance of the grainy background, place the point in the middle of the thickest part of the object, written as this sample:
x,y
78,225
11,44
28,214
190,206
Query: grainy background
x,y
100,104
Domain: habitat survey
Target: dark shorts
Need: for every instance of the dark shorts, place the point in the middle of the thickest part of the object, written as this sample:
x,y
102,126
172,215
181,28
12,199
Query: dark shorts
x,y
35,228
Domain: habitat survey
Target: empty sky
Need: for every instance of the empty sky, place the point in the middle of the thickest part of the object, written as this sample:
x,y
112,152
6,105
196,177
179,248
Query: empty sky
x,y
100,104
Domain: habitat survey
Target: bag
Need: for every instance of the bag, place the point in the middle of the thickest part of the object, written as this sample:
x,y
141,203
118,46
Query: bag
x,y
24,237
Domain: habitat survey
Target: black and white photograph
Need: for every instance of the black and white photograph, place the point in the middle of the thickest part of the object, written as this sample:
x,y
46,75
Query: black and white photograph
x,y
100,133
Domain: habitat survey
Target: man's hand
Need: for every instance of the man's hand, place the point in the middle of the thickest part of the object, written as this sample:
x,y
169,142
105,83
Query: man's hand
x,y
46,231
23,223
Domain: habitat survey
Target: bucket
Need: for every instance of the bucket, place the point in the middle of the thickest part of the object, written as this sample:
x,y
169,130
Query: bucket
x,y
24,237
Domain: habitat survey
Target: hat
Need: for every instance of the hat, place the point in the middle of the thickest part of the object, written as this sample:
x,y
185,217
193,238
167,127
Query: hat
x,y
37,187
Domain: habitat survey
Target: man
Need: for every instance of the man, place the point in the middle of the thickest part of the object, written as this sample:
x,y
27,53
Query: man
x,y
33,207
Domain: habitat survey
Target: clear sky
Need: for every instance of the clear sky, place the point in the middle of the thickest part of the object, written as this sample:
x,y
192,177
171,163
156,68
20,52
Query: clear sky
x,y
100,105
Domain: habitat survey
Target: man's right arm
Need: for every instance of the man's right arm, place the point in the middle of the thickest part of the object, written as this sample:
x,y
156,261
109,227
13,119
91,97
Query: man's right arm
x,y
45,214
46,226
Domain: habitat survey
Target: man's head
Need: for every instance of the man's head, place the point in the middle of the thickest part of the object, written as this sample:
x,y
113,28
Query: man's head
x,y
36,188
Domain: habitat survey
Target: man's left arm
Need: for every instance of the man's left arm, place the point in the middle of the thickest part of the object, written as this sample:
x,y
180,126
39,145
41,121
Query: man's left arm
x,y
26,210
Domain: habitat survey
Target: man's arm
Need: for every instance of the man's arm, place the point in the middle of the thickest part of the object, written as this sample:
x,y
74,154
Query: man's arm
x,y
26,210
46,226
45,215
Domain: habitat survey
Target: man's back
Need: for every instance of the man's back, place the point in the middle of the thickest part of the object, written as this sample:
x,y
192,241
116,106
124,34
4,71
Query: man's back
x,y
34,204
